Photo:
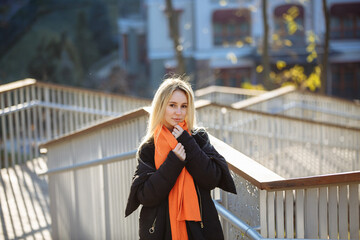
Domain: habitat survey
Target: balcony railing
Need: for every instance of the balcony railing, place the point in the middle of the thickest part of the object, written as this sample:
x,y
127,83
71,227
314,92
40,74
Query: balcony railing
x,y
90,177
288,146
304,105
33,112
90,166
226,95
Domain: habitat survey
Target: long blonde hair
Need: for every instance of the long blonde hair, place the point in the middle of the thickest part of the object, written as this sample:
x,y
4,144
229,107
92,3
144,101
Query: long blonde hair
x,y
161,99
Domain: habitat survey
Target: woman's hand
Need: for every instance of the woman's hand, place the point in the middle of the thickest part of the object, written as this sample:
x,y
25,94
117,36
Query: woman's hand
x,y
179,151
177,131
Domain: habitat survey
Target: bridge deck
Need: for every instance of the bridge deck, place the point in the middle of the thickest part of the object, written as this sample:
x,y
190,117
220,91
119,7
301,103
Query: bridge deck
x,y
24,202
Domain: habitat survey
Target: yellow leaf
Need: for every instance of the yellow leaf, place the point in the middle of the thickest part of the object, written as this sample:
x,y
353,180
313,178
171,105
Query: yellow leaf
x,y
259,69
287,42
232,57
248,39
280,64
309,59
239,44
310,47
293,11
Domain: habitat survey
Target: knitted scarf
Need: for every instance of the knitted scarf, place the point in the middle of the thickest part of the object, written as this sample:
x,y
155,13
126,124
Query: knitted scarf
x,y
183,200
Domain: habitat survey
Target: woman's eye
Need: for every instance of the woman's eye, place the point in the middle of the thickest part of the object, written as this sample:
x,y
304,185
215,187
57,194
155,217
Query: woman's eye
x,y
172,105
184,106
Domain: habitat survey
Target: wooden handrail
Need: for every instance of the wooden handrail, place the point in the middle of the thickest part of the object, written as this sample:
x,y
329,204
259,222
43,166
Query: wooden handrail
x,y
29,81
229,90
17,84
313,181
263,97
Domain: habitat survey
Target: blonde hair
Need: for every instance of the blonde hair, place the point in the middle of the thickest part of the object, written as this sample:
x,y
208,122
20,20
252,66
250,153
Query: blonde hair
x,y
161,99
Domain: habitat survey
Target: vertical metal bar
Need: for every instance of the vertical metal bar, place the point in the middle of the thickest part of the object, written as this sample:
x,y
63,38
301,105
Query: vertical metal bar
x,y
311,213
54,111
323,213
40,114
343,212
289,213
17,129
4,132
354,210
333,212
66,96
47,114
35,127
29,124
263,213
61,112
280,214
271,214
87,106
23,132
300,216
73,101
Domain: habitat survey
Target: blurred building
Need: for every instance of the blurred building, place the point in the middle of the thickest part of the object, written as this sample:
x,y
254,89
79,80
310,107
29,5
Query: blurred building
x,y
222,41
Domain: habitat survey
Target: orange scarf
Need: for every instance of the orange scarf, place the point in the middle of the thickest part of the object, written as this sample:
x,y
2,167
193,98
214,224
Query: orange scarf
x,y
183,200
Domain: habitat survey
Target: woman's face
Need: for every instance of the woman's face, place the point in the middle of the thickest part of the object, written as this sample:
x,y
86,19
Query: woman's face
x,y
176,109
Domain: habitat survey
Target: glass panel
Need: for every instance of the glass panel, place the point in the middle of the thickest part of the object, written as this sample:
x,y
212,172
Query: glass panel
x,y
358,26
231,33
335,27
217,34
348,27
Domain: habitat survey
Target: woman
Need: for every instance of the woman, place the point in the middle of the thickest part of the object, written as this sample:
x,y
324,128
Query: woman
x,y
177,169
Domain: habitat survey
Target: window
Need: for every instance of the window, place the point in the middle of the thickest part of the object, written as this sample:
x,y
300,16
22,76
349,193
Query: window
x,y
232,77
125,47
345,21
231,27
346,80
142,48
289,23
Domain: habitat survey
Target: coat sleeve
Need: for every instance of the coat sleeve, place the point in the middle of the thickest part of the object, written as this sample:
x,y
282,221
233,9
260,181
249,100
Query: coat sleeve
x,y
202,168
157,186
208,168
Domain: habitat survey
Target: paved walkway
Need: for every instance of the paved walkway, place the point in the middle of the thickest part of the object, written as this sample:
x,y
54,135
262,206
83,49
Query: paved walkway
x,y
24,202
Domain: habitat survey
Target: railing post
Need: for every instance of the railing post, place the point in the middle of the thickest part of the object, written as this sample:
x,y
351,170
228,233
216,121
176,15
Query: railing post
x,y
47,114
4,132
263,213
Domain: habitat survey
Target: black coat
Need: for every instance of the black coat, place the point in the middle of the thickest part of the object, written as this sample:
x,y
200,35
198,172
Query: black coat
x,y
151,187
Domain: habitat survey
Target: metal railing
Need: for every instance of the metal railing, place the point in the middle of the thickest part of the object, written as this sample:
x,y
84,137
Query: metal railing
x,y
226,95
291,147
33,112
304,105
89,202
90,170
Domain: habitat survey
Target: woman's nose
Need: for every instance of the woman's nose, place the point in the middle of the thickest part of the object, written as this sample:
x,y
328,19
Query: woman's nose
x,y
178,111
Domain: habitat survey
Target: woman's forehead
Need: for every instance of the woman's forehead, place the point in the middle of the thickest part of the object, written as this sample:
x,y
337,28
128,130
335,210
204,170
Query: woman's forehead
x,y
178,96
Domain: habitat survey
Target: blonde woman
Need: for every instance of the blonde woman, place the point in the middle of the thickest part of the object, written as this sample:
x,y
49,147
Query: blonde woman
x,y
177,169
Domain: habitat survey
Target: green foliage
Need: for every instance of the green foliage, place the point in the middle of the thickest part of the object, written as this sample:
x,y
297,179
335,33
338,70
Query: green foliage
x,y
59,46
99,24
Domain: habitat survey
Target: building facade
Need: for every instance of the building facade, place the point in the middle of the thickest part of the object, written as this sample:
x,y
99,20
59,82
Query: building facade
x,y
222,40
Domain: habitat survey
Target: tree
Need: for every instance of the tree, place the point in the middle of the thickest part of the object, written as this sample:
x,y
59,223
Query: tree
x,y
173,21
56,60
265,52
99,24
84,43
324,65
